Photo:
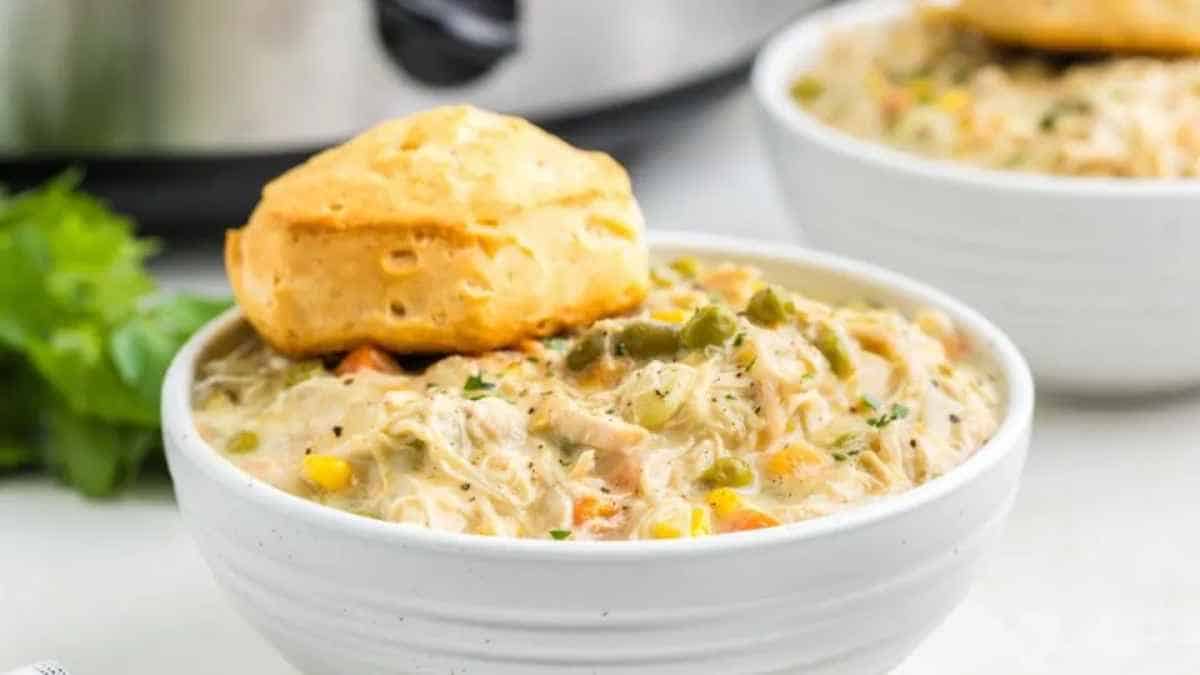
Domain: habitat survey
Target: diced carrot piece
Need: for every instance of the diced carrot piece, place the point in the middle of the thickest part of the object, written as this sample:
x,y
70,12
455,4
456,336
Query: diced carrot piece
x,y
587,508
367,357
748,519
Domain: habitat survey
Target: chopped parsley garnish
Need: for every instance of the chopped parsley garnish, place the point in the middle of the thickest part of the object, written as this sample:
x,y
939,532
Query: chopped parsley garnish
x,y
870,401
839,456
897,412
477,383
476,387
559,535
739,339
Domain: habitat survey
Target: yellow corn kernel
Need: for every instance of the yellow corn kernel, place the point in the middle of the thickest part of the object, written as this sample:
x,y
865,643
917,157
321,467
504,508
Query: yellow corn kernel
x,y
954,101
664,530
724,501
792,458
328,472
757,285
669,315
701,523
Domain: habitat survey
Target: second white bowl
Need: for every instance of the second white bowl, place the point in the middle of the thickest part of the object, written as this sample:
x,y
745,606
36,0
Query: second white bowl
x,y
1094,278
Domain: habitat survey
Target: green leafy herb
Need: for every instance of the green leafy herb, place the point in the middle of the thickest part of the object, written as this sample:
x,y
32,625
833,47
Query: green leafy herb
x,y
559,535
870,401
897,412
476,384
84,338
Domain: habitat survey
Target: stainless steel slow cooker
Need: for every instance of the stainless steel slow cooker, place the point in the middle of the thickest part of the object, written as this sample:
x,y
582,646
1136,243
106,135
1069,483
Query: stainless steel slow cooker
x,y
181,108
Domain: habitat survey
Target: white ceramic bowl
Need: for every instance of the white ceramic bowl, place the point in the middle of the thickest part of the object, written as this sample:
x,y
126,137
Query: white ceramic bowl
x,y
1095,279
849,593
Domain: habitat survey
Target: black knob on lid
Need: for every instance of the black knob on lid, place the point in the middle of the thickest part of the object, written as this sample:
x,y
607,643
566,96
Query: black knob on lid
x,y
447,42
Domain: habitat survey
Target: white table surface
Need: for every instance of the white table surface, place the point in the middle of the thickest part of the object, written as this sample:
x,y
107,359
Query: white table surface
x,y
1097,572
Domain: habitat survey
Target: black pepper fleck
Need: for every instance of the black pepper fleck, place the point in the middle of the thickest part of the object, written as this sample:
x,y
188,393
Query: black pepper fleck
x,y
955,418
337,431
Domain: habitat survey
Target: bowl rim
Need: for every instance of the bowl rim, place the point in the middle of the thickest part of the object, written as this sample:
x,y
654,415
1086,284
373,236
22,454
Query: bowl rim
x,y
780,60
181,436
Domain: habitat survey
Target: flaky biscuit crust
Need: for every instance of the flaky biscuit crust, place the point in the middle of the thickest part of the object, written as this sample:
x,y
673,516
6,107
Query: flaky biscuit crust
x,y
1153,26
450,230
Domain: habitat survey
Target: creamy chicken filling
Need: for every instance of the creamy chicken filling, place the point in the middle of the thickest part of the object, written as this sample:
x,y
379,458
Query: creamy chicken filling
x,y
929,86
724,404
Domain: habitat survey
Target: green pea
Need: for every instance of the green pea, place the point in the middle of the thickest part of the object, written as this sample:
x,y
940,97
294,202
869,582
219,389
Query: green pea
x,y
710,325
242,442
833,346
687,266
585,352
645,340
766,308
303,370
728,472
807,88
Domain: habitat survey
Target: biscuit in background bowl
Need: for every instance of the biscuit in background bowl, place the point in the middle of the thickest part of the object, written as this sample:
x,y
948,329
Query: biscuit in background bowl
x,y
1158,26
454,229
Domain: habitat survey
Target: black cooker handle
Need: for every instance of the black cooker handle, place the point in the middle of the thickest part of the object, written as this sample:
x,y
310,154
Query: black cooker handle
x,y
445,43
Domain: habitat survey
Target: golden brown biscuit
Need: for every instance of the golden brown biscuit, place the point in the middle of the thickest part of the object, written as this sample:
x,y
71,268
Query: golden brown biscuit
x,y
1161,26
449,230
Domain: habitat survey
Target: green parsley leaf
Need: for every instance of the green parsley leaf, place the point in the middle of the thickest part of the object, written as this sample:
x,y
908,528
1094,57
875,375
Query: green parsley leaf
x,y
477,383
84,339
559,535
870,401
897,412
